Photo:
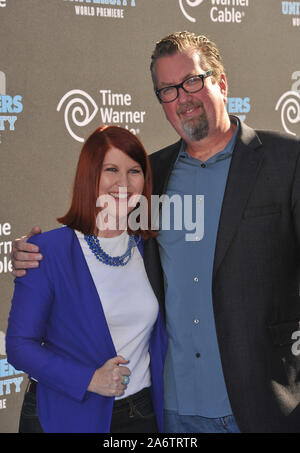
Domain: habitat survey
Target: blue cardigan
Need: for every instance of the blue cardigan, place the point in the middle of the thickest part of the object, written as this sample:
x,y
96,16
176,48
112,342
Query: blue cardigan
x,y
57,333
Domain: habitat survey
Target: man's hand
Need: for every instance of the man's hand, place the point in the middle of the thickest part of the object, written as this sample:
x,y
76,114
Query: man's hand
x,y
24,255
108,380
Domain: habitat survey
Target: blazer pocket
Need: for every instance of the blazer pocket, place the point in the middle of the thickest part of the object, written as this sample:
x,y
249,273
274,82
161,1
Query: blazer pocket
x,y
258,211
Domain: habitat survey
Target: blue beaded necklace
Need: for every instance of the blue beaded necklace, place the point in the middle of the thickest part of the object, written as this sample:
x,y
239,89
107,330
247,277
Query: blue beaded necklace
x,y
95,247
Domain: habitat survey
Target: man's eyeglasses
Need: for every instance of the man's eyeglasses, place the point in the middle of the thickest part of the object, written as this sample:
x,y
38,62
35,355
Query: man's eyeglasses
x,y
190,85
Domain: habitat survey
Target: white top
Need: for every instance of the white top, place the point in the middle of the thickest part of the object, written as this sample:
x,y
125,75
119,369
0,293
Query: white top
x,y
129,305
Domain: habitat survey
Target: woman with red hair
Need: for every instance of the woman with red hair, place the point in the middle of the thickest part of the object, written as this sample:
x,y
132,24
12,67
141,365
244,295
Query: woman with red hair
x,y
86,325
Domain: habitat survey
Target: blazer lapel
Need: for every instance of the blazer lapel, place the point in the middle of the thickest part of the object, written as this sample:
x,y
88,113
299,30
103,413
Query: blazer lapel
x,y
245,164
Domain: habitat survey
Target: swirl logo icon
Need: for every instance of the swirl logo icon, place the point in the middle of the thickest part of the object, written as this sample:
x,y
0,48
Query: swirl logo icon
x,y
192,3
289,103
290,109
80,110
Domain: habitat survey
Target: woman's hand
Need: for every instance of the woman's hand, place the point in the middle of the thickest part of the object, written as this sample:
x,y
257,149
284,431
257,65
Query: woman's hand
x,y
108,380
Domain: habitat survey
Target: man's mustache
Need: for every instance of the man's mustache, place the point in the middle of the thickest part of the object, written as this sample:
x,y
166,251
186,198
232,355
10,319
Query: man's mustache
x,y
189,105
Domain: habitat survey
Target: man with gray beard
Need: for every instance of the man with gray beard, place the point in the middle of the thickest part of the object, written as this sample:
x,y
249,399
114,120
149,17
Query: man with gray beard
x,y
232,297
232,301
192,90
196,128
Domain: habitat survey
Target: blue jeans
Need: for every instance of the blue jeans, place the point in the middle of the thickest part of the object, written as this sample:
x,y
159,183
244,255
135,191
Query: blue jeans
x,y
175,423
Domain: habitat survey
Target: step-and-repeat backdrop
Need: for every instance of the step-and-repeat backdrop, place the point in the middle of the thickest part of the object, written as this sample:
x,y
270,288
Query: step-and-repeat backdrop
x,y
67,66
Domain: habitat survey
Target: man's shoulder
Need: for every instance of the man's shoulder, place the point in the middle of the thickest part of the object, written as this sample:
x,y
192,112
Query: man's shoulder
x,y
279,146
165,152
272,143
277,137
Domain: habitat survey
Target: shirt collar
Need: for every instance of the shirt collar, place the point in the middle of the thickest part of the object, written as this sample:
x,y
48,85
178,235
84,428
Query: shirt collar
x,y
221,155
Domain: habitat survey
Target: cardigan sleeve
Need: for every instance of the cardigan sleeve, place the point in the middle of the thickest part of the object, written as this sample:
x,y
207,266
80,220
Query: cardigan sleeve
x,y
27,327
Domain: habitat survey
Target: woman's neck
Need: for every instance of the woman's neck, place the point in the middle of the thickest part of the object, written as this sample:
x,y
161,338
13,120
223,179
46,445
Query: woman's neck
x,y
109,233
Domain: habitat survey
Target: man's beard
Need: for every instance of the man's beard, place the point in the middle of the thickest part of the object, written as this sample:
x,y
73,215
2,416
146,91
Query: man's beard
x,y
196,128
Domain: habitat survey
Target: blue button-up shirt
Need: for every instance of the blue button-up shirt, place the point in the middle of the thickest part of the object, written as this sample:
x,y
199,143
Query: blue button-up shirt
x,y
194,381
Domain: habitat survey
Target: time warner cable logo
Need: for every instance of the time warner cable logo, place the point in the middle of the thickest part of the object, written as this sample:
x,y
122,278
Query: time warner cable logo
x,y
189,3
222,11
116,109
289,105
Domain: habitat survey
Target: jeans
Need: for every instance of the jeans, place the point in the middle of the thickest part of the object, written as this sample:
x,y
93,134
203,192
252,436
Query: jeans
x,y
133,414
175,423
29,420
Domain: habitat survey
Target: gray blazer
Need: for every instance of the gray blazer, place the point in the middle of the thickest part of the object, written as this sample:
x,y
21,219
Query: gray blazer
x,y
255,278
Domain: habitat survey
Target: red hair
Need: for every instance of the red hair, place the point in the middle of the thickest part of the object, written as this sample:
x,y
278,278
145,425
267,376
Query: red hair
x,y
83,211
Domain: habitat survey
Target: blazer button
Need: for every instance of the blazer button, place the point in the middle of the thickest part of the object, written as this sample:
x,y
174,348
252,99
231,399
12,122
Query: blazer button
x,y
198,355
